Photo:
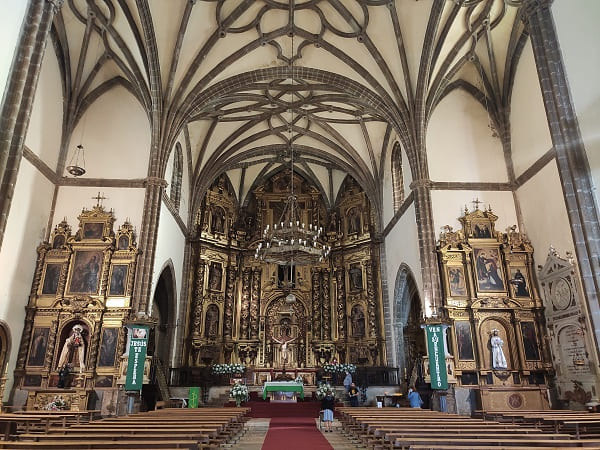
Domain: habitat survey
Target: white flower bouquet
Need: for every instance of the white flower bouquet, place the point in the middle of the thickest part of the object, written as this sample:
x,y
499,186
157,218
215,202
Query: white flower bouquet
x,y
239,392
323,389
227,369
57,404
339,368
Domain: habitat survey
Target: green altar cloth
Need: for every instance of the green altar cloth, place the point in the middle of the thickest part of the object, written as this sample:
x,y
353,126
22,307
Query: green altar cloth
x,y
282,386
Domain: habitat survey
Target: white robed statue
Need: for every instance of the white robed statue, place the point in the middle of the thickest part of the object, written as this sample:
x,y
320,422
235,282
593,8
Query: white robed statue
x,y
74,347
498,358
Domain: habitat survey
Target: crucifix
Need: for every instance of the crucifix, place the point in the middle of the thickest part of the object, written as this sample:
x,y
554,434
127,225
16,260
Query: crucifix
x,y
476,202
99,199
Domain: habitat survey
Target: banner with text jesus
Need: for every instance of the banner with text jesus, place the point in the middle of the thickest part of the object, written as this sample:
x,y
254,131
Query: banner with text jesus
x,y
137,357
437,356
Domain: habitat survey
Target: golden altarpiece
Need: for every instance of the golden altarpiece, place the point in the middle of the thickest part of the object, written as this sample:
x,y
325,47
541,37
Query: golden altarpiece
x,y
239,306
74,336
498,345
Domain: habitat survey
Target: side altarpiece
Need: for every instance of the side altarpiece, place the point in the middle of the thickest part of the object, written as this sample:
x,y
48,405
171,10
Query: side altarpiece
x,y
73,336
498,345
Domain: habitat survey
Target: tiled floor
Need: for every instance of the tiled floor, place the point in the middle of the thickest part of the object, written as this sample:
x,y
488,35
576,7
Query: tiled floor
x,y
257,430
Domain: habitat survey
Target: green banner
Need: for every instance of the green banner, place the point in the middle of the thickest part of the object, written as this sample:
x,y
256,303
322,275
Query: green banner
x,y
193,397
137,357
437,356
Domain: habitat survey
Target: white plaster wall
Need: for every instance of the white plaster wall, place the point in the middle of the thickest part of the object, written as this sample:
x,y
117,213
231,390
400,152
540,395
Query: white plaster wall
x,y
544,213
460,145
25,230
579,35
170,245
45,127
127,204
448,206
402,246
11,19
115,133
529,125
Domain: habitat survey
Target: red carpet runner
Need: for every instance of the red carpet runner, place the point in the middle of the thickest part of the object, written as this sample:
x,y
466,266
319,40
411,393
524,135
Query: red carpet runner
x,y
294,433
293,425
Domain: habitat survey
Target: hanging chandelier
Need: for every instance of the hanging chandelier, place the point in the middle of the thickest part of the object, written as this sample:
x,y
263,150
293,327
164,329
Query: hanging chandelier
x,y
289,241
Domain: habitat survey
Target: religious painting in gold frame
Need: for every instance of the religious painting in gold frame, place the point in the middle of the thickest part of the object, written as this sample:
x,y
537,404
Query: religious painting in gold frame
x,y
51,278
457,282
489,270
464,340
481,229
519,281
118,280
86,270
38,347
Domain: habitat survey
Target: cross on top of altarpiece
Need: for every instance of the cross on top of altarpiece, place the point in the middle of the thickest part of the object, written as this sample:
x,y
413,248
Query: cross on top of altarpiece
x,y
99,199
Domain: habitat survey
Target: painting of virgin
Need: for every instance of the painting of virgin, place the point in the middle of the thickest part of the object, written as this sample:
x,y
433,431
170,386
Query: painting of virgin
x,y
488,268
464,341
109,347
37,351
85,273
51,277
118,280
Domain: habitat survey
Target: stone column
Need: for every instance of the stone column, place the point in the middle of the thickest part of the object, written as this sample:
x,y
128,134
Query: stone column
x,y
571,158
148,235
429,266
20,92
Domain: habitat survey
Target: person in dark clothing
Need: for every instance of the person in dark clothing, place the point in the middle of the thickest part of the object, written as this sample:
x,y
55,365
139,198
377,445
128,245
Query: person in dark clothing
x,y
327,405
353,394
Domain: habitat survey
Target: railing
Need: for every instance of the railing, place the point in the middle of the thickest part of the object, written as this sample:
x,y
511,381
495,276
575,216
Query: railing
x,y
364,376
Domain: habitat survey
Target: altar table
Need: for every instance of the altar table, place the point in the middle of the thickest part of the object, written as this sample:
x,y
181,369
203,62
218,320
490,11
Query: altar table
x,y
282,386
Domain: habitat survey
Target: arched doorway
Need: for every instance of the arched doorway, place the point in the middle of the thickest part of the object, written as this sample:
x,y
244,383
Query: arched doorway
x,y
162,304
408,317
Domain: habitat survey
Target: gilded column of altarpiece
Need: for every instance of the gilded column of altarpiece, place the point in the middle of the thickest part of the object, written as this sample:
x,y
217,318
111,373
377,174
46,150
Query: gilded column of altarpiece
x,y
73,338
494,314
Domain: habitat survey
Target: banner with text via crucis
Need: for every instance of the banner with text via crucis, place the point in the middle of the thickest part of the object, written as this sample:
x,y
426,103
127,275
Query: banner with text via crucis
x,y
137,357
437,356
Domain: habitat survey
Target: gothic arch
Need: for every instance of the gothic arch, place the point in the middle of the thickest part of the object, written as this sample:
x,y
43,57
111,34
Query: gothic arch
x,y
164,310
397,177
406,298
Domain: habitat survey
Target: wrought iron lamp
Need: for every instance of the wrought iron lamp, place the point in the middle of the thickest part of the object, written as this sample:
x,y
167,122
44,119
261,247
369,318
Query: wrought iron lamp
x,y
74,168
289,241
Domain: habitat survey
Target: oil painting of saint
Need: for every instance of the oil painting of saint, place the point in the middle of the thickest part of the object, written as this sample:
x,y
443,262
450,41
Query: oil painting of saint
x,y
51,277
93,230
456,280
530,341
109,347
488,268
118,280
37,351
464,341
519,284
86,272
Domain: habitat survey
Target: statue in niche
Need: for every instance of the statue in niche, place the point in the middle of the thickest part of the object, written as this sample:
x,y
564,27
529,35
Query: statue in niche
x,y
354,221
357,318
333,222
498,358
215,277
73,351
211,322
356,281
218,220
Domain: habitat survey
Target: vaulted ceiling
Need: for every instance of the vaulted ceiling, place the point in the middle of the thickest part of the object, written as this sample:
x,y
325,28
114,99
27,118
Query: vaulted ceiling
x,y
245,81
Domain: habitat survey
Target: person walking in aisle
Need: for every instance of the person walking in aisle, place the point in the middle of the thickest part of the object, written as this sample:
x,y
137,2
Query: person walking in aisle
x,y
327,405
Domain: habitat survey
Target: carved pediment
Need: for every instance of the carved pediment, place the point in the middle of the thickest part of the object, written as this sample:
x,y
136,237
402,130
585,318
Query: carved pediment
x,y
555,266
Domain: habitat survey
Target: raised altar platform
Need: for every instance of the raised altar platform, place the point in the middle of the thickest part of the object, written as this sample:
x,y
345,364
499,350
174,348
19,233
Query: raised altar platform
x,y
279,389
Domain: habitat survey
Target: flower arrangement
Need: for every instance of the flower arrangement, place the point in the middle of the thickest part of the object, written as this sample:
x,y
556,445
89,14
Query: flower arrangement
x,y
227,369
339,368
239,392
57,404
323,389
